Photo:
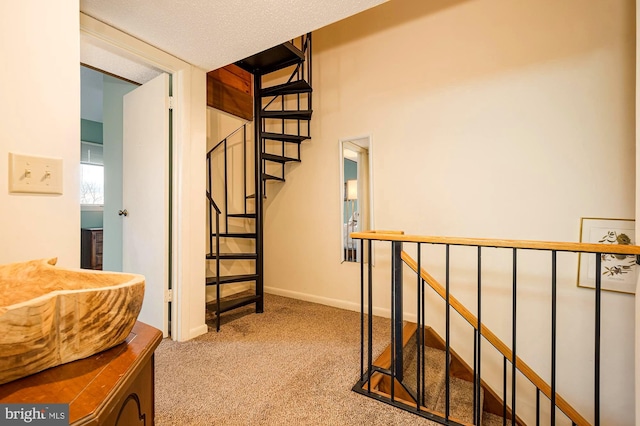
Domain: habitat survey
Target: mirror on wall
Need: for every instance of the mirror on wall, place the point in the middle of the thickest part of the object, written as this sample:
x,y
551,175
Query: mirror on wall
x,y
355,192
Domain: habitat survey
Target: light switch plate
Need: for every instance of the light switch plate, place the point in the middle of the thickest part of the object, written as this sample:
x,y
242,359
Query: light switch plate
x,y
37,175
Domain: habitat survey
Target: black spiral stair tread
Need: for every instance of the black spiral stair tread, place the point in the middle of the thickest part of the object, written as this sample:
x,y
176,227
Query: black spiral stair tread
x,y
236,235
266,176
291,88
228,279
288,115
232,256
243,215
228,304
253,196
284,137
279,158
273,59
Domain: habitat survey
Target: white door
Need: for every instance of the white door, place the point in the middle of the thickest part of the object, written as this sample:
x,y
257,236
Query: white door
x,y
145,195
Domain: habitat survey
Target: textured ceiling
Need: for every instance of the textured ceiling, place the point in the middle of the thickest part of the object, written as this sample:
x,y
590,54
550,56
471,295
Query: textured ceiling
x,y
214,33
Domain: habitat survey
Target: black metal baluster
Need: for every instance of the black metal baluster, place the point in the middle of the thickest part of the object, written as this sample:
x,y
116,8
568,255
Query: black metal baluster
x,y
537,406
397,311
554,305
597,339
393,328
514,335
309,70
244,162
217,271
361,312
370,317
475,366
226,190
478,377
504,391
423,353
447,337
210,205
419,331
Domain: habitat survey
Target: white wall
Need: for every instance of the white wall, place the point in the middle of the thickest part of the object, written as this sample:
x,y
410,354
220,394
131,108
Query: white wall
x,y
40,84
493,119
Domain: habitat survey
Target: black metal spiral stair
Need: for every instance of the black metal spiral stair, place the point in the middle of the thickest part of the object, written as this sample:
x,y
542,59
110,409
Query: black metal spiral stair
x,y
282,114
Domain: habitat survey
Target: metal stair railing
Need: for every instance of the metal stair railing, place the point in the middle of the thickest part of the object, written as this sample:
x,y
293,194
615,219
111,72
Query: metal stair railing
x,y
214,208
301,72
509,355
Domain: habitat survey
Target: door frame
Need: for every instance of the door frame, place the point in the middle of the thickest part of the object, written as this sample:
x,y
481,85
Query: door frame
x,y
188,249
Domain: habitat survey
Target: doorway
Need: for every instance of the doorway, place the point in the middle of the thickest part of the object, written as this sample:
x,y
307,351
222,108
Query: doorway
x,y
101,167
126,182
111,50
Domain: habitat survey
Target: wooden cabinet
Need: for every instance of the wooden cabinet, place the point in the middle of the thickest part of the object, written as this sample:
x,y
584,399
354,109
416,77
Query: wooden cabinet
x,y
91,248
110,388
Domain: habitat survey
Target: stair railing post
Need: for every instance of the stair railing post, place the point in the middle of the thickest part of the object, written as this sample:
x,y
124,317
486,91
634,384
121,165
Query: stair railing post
x,y
257,108
217,271
397,309
226,188
244,165
210,206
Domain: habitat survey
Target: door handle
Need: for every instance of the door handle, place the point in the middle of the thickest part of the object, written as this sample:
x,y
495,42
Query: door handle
x,y
123,212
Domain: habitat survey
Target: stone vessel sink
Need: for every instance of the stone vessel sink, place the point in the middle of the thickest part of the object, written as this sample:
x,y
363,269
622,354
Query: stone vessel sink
x,y
50,316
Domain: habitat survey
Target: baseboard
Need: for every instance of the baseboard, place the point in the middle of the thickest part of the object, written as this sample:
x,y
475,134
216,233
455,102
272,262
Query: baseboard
x,y
336,303
197,331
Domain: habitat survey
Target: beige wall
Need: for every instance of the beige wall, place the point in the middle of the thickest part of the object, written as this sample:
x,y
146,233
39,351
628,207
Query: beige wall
x,y
39,115
494,119
219,126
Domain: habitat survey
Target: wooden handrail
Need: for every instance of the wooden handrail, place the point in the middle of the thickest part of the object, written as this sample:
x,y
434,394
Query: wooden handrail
x,y
527,371
486,242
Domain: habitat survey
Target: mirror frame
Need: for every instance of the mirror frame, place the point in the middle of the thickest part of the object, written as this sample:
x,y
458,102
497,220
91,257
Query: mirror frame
x,y
364,142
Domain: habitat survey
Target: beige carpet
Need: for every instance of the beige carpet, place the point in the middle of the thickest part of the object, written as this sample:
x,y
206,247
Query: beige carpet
x,y
294,364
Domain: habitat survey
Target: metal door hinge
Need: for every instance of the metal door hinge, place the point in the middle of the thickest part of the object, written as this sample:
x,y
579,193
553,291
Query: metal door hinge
x,y
168,296
171,106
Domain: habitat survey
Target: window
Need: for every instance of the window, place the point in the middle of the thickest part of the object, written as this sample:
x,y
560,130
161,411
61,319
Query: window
x,y
92,174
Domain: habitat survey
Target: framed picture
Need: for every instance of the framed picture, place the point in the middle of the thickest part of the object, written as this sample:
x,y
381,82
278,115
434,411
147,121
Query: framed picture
x,y
619,272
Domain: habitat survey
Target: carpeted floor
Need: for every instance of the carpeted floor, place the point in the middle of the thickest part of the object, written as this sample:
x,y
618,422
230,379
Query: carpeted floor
x,y
293,364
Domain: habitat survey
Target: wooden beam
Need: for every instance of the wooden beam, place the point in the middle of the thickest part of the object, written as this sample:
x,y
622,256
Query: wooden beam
x,y
230,89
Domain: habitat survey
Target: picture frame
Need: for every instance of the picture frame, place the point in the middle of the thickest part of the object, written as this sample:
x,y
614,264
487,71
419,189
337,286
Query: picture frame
x,y
619,273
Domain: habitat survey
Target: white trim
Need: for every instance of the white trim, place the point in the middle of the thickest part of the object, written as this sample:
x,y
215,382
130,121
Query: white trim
x,y
185,300
92,143
198,331
124,43
91,207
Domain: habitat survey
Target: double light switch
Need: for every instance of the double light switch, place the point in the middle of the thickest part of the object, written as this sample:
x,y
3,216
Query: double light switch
x,y
35,174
